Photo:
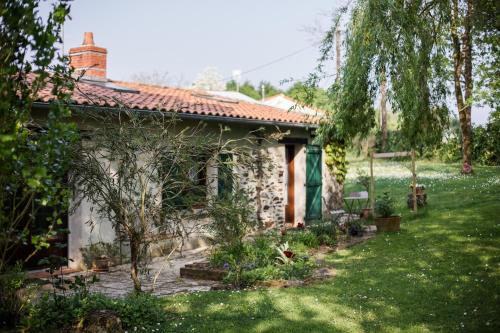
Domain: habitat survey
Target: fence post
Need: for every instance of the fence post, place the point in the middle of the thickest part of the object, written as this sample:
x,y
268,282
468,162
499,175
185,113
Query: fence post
x,y
414,176
372,185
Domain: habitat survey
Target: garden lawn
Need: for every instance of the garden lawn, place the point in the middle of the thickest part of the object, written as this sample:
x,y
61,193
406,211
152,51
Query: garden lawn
x,y
441,273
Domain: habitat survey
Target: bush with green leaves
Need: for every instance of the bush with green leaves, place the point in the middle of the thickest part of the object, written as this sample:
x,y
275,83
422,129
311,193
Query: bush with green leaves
x,y
301,238
325,231
232,219
384,205
97,250
65,312
13,302
486,141
256,259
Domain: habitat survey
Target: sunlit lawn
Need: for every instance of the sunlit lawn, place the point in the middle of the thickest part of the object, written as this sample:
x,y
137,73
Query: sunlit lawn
x,y
441,273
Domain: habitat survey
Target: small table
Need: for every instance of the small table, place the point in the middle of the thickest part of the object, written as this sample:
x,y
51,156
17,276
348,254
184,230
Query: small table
x,y
355,201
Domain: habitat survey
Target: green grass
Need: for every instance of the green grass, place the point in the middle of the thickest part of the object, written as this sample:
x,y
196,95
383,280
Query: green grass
x,y
441,273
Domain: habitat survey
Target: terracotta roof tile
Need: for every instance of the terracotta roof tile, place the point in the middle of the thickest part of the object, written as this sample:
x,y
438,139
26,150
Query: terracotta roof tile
x,y
158,98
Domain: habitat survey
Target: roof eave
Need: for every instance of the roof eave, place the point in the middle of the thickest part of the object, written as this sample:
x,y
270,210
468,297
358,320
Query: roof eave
x,y
189,116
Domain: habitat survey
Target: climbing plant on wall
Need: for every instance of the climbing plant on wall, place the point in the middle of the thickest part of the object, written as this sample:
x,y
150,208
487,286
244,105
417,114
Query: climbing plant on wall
x,y
336,159
335,149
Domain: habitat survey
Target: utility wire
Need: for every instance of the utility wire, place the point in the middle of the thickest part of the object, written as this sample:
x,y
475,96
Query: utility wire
x,y
273,61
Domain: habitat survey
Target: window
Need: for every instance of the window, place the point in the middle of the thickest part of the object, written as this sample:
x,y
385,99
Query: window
x,y
186,187
224,176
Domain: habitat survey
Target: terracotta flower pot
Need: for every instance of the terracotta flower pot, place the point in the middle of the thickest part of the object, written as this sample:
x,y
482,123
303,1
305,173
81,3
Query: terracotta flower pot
x,y
388,224
366,213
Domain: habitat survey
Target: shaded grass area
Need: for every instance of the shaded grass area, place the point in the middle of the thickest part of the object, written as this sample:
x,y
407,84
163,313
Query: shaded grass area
x,y
441,273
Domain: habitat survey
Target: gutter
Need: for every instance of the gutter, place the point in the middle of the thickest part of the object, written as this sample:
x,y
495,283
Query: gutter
x,y
186,116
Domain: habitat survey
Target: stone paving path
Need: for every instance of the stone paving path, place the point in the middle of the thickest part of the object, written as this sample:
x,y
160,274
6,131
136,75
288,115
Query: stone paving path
x,y
117,282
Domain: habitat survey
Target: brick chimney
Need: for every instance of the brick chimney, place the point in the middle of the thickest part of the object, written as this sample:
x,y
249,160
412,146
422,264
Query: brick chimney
x,y
89,58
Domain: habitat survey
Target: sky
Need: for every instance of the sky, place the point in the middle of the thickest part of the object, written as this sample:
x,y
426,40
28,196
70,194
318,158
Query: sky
x,y
183,37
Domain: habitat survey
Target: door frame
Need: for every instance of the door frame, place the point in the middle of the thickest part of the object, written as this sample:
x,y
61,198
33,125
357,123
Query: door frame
x,y
290,184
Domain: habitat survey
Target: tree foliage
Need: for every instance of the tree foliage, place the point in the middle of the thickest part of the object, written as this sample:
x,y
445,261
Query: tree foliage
x,y
411,45
315,97
255,92
34,155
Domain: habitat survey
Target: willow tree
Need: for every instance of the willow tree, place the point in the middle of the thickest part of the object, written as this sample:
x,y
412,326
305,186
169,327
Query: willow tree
x,y
408,44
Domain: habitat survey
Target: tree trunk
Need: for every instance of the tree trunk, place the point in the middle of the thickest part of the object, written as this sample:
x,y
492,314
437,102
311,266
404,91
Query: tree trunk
x,y
467,58
383,111
462,57
337,52
134,259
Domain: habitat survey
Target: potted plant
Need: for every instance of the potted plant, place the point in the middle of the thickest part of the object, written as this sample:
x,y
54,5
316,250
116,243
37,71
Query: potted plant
x,y
355,228
420,188
385,219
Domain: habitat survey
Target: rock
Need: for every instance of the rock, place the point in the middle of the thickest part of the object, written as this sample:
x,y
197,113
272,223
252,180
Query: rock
x,y
101,321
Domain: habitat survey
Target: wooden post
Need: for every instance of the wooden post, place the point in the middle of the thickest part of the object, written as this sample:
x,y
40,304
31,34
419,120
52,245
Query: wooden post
x,y
372,185
414,176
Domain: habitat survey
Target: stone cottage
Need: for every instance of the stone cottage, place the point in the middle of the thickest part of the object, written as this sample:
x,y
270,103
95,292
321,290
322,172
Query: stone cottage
x,y
298,188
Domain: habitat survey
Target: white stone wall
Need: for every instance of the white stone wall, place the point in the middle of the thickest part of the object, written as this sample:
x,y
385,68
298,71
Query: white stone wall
x,y
86,228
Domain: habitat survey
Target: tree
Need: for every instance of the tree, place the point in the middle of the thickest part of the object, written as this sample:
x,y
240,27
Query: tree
x,y
156,78
312,96
144,174
269,89
209,79
34,156
410,42
247,88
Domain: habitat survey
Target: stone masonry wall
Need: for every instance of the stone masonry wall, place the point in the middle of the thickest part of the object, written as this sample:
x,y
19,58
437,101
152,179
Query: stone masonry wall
x,y
264,183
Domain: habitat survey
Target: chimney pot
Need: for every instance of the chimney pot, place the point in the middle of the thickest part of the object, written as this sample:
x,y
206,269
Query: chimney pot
x,y
88,38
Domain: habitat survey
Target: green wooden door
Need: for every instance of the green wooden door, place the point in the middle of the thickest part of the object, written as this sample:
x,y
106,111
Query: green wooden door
x,y
313,182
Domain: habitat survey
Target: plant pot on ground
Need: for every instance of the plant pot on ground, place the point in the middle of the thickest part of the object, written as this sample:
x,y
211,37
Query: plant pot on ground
x,y
366,213
386,220
420,189
355,228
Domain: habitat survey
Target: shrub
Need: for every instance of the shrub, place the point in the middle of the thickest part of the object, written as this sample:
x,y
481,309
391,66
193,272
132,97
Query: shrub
x,y
302,237
325,239
384,205
299,269
56,313
14,300
99,249
355,228
248,278
231,219
486,141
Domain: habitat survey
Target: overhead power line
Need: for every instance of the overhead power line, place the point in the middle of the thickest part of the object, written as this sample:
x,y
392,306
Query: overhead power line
x,y
274,61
